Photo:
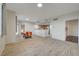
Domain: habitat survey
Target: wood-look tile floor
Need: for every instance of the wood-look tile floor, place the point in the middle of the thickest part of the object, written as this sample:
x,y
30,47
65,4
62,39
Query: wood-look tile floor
x,y
38,46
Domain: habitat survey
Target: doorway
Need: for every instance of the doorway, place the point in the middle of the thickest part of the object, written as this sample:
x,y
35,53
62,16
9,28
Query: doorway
x,y
72,31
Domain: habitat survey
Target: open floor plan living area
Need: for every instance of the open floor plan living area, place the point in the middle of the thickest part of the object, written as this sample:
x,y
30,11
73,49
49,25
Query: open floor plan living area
x,y
39,29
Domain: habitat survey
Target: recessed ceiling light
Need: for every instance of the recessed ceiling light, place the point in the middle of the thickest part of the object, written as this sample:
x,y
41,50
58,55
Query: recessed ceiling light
x,y
39,5
27,19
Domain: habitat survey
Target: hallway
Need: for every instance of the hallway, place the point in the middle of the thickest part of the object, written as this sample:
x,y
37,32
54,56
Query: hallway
x,y
40,46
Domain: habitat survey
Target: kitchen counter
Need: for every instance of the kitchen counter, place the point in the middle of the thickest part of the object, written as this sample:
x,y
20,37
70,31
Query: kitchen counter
x,y
41,32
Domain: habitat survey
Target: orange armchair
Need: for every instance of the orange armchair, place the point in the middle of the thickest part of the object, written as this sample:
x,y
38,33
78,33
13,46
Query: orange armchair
x,y
27,34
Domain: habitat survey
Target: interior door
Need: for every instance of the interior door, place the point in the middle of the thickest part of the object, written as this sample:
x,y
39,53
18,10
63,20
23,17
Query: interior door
x,y
72,31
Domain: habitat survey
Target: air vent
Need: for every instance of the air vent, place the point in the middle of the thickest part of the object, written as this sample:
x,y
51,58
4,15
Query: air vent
x,y
55,19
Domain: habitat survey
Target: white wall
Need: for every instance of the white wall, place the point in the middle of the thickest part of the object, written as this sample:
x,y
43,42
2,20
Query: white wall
x,y
11,26
58,26
29,27
78,29
1,45
58,29
0,17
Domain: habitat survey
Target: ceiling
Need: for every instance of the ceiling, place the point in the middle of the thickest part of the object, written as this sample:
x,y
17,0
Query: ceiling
x,y
30,10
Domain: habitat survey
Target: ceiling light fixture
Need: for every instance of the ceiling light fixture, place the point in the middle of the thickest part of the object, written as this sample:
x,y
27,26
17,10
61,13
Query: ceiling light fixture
x,y
27,19
39,5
